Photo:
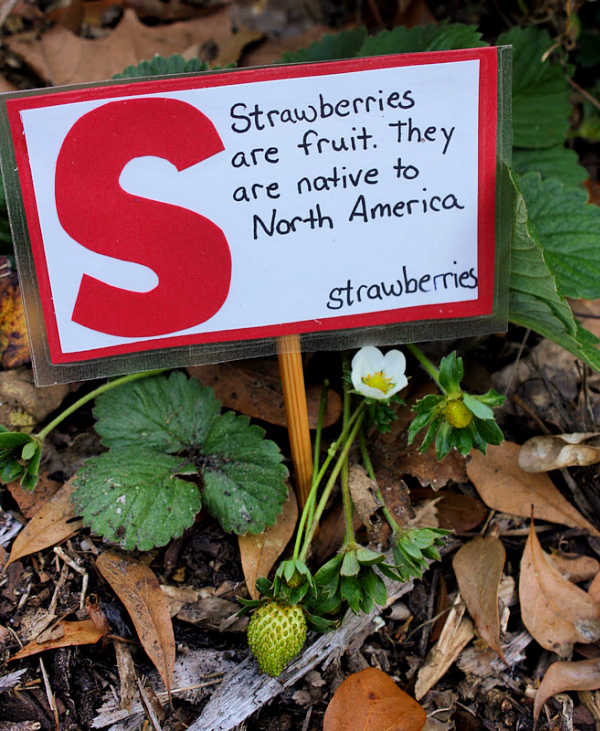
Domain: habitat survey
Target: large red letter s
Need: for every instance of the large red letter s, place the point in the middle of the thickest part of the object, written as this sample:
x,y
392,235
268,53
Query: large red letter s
x,y
188,252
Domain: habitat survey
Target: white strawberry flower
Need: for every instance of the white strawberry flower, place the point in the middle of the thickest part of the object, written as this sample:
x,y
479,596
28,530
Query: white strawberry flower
x,y
378,376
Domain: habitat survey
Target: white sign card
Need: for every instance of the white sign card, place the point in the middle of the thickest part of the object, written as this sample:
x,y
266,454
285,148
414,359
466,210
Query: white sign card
x,y
238,206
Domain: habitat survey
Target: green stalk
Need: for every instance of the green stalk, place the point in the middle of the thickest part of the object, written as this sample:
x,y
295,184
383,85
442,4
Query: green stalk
x,y
92,395
371,472
359,414
346,499
311,499
427,364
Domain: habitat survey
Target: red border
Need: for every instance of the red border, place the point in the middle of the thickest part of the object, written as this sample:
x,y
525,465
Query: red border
x,y
483,305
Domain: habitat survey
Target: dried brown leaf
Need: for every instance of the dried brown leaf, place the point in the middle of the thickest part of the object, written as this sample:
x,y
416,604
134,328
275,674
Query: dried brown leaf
x,y
30,502
53,523
362,489
460,513
259,552
254,388
561,676
96,614
594,588
137,587
70,634
14,343
478,567
553,452
371,700
504,486
556,612
575,568
61,57
457,632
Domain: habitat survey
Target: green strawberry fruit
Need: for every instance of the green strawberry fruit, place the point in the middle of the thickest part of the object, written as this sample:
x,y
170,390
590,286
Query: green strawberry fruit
x,y
457,414
276,634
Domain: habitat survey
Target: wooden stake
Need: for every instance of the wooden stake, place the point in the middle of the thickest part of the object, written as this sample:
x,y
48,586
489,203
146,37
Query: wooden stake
x,y
294,396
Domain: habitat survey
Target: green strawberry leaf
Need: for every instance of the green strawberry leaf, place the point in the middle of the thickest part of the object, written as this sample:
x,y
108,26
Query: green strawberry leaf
x,y
164,413
134,497
540,102
551,162
441,37
340,45
160,66
568,229
244,480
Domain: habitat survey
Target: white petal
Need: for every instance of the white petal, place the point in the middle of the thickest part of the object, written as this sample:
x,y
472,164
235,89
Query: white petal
x,y
375,393
394,364
366,361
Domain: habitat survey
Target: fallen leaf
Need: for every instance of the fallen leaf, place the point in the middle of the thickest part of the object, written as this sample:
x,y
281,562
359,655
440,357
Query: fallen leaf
x,y
14,343
137,587
22,404
553,452
457,632
575,568
95,613
254,388
594,588
53,523
460,513
260,551
71,633
228,51
370,699
29,501
504,486
556,612
61,57
362,489
561,676
478,567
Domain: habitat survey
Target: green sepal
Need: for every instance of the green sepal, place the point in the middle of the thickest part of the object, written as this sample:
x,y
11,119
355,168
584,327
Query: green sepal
x,y
11,471
321,624
350,592
264,587
350,565
366,557
32,469
451,374
477,407
10,439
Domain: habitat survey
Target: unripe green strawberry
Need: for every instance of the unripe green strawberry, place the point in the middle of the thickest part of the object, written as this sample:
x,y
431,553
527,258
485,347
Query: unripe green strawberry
x,y
276,634
457,414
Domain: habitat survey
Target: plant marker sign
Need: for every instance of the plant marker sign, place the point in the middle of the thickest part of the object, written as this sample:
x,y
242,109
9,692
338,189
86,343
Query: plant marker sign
x,y
197,218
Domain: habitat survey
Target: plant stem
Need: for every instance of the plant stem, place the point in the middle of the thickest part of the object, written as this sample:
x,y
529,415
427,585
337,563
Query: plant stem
x,y
371,472
308,510
92,395
346,499
426,363
359,414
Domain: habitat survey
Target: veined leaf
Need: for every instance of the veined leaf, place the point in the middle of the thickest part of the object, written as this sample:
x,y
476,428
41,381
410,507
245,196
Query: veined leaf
x,y
442,37
551,162
339,45
133,496
160,66
163,413
535,301
568,229
541,105
244,480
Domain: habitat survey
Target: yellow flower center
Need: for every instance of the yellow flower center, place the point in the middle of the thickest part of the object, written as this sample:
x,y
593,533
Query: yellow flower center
x,y
379,381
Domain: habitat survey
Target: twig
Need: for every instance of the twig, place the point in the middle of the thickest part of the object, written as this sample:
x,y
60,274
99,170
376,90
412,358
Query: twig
x,y
591,99
50,695
6,9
